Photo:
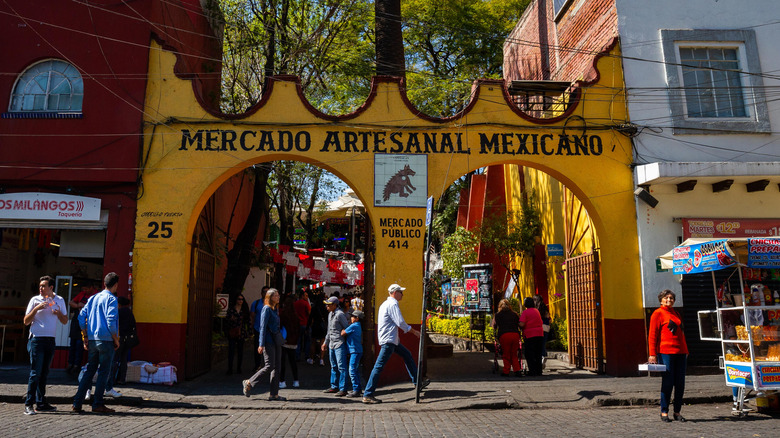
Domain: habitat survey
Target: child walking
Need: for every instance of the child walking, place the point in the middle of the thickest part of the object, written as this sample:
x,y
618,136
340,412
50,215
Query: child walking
x,y
354,336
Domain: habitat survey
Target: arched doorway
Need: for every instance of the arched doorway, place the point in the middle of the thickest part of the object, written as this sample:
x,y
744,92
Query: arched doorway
x,y
394,158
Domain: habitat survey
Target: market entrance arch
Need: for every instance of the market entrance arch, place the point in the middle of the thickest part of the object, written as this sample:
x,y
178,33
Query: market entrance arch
x,y
394,158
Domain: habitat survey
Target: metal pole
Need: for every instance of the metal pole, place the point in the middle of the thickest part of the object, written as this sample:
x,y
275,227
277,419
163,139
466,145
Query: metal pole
x,y
426,277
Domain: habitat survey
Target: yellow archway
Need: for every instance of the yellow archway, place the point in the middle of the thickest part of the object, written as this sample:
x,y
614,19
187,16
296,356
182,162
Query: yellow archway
x,y
190,151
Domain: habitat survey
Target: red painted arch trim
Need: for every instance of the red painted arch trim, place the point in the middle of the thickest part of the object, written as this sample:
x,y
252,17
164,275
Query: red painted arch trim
x,y
376,80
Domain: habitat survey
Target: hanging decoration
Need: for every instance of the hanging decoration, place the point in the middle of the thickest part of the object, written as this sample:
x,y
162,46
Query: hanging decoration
x,y
318,269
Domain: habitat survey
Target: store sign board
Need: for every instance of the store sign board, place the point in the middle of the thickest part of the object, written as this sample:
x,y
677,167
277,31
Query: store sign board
x,y
764,253
725,228
739,374
554,250
702,257
48,206
768,375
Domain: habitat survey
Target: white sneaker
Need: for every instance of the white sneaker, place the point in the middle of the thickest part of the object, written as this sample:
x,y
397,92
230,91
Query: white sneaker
x,y
88,395
310,361
544,362
112,393
296,384
282,385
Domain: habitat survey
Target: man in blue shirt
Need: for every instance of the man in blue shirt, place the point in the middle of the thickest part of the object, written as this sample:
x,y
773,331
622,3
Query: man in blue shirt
x,y
354,337
99,321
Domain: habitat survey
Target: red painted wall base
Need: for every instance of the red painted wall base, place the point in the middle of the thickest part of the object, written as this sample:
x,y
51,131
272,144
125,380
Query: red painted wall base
x,y
625,346
161,342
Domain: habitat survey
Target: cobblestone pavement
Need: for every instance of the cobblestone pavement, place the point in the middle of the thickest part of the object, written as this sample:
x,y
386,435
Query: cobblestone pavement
x,y
704,420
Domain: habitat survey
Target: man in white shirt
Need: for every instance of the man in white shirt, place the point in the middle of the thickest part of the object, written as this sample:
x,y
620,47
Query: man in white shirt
x,y
389,320
43,313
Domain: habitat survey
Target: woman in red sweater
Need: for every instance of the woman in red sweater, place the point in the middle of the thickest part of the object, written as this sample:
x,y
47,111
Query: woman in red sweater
x,y
667,343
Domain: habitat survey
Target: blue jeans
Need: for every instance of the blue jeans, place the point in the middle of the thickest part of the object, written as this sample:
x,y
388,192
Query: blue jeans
x,y
338,367
100,358
41,351
674,376
354,370
384,355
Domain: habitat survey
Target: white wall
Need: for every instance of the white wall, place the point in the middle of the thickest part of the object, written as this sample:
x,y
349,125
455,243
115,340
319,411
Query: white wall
x,y
639,25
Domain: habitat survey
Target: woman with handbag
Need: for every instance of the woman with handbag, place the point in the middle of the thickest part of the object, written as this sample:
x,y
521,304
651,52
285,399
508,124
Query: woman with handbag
x,y
237,321
666,342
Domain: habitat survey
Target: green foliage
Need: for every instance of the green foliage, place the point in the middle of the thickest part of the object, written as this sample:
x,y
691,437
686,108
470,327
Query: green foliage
x,y
459,327
327,44
559,335
458,249
512,234
446,211
449,44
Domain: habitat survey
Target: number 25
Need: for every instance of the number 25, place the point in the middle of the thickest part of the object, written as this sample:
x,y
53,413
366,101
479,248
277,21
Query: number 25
x,y
163,227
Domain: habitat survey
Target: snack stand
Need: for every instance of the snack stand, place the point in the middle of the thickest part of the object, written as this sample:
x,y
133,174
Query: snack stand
x,y
746,320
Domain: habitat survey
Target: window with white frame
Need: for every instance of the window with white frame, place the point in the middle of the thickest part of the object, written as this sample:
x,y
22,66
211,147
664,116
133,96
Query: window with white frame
x,y
50,86
714,82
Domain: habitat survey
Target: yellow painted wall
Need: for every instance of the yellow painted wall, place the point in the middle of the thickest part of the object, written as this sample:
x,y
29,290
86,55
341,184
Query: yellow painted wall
x,y
557,208
177,180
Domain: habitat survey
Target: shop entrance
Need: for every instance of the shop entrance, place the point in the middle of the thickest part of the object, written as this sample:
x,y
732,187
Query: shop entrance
x,y
74,257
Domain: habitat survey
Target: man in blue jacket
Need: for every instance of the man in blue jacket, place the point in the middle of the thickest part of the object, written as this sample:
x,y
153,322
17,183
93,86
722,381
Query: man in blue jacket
x,y
99,321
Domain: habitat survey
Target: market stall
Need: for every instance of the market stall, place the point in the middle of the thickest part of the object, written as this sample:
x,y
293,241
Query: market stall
x,y
746,320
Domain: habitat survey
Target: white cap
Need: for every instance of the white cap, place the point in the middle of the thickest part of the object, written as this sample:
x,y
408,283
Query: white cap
x,y
394,287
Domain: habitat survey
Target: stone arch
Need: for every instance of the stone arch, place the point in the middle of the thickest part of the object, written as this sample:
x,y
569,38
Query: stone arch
x,y
189,150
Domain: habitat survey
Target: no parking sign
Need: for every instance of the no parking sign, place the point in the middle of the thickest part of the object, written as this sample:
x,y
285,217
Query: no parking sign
x,y
222,302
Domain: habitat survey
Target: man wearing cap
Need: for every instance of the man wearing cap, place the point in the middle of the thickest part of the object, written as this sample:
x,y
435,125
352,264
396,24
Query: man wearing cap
x,y
338,353
354,337
389,320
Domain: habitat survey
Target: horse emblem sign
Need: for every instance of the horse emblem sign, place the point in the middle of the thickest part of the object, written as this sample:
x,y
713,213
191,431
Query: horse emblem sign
x,y
400,180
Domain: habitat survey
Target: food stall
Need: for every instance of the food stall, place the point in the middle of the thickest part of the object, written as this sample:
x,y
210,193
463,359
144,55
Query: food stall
x,y
746,320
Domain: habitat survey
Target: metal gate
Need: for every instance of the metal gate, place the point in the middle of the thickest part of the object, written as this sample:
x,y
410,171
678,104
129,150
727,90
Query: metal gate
x,y
584,303
199,314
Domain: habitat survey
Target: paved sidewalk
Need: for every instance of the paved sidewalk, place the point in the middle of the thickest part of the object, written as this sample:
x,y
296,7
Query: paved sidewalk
x,y
464,381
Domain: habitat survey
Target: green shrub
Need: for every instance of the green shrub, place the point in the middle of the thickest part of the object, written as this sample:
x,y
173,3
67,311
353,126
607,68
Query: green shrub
x,y
559,335
458,327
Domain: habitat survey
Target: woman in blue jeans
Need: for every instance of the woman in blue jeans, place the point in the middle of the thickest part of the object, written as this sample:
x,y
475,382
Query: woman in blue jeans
x,y
666,342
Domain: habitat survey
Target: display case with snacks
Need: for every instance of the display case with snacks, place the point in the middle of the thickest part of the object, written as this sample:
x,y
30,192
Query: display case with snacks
x,y
746,319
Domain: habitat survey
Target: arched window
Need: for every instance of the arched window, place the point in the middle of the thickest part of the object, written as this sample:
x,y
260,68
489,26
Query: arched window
x,y
50,86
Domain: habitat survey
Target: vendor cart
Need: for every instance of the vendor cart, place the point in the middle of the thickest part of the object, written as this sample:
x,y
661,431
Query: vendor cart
x,y
746,320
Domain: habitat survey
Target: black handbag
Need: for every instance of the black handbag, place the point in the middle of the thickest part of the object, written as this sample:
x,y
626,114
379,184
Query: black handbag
x,y
131,340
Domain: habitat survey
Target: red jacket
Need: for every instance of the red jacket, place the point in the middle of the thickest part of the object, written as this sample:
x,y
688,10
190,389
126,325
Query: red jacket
x,y
666,332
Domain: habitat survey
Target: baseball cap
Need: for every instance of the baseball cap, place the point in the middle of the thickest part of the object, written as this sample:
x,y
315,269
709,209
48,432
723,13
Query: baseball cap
x,y
394,287
358,314
331,300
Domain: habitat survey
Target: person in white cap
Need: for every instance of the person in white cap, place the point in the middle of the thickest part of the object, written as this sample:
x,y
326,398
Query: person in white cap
x,y
389,320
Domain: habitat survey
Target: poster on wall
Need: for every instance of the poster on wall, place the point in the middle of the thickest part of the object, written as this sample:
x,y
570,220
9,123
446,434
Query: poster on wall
x,y
479,281
457,298
446,288
400,180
